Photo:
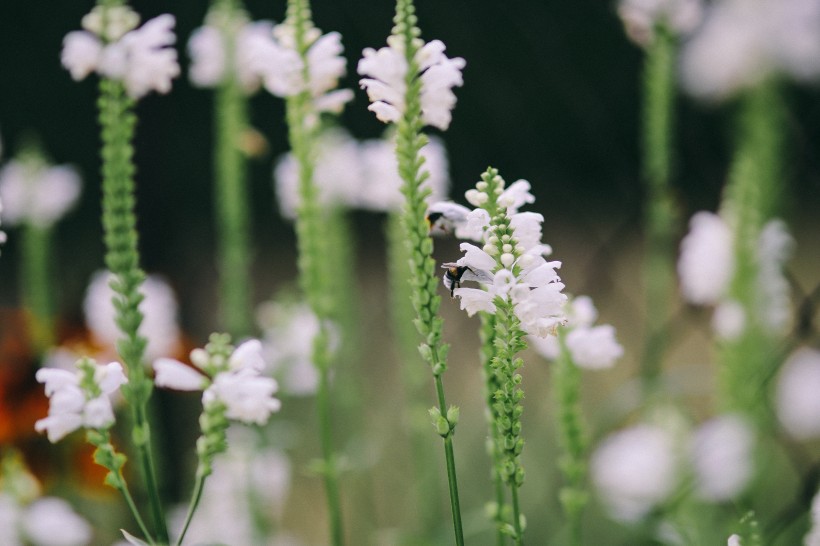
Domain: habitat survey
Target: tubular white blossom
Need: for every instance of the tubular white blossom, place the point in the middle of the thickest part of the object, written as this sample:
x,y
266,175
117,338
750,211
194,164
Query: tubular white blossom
x,y
50,521
385,71
594,348
641,18
35,193
722,457
706,262
142,59
634,470
74,403
797,402
742,42
173,374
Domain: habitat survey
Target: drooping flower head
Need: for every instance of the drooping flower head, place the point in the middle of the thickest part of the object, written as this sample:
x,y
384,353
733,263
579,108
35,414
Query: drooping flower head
x,y
642,18
36,193
112,46
228,42
512,267
79,398
231,378
386,72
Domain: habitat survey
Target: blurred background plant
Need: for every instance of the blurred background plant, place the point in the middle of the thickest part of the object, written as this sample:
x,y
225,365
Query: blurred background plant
x,y
554,93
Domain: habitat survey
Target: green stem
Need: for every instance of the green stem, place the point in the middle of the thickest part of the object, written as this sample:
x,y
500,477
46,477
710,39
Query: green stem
x,y
117,121
231,198
132,506
660,217
35,276
196,496
450,459
519,532
567,385
330,470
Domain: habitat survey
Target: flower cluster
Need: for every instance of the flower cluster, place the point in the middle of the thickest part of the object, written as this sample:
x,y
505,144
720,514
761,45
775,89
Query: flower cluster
x,y
35,193
741,43
112,46
230,378
591,347
386,82
642,18
706,267
275,58
797,403
79,398
511,264
638,468
209,49
48,521
358,174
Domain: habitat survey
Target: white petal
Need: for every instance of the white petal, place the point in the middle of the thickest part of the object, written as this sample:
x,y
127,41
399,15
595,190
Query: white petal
x,y
173,374
98,413
248,356
476,258
55,379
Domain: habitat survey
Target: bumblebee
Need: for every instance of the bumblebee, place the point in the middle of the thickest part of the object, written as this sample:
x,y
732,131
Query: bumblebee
x,y
455,274
446,217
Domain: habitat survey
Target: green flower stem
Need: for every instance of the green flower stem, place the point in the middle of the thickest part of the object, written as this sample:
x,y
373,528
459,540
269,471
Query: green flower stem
x,y
314,269
106,456
231,187
117,120
35,277
423,271
660,216
751,200
414,377
488,352
567,389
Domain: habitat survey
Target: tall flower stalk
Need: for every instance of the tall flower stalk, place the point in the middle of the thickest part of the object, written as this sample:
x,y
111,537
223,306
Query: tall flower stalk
x,y
409,83
131,62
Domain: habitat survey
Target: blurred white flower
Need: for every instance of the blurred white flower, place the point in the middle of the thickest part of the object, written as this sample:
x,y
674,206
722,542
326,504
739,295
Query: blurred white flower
x,y
10,513
743,42
276,60
734,540
50,521
159,308
35,193
706,262
247,482
812,538
236,383
289,331
634,470
775,246
797,400
642,18
79,398
722,452
142,58
729,320
208,51
355,174
385,70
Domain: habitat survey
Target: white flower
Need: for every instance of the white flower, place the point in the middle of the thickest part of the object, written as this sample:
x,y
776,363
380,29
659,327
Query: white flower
x,y
50,521
642,17
516,196
729,320
34,193
74,403
722,452
237,383
141,58
159,308
734,540
797,401
594,348
475,258
208,50
10,512
742,42
385,70
813,536
706,262
634,470
288,345
275,59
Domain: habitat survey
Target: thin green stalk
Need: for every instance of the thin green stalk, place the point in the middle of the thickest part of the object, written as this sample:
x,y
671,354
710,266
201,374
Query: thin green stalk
x,y
231,191
314,274
423,270
491,385
117,121
660,217
751,199
38,295
567,389
196,496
